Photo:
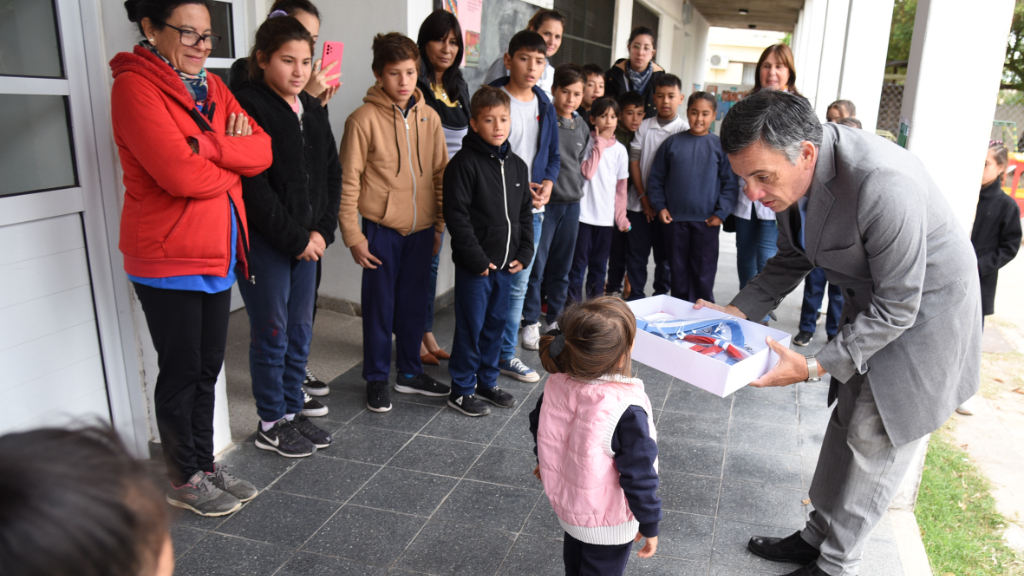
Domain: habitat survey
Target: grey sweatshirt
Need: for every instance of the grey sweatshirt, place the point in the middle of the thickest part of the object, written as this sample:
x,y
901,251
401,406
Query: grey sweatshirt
x,y
573,137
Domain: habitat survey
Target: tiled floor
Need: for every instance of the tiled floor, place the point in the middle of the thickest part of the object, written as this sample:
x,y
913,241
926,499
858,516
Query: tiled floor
x,y
424,490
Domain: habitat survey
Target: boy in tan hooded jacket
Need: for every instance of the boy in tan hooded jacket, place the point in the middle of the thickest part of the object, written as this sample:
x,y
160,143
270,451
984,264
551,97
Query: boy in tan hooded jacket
x,y
393,156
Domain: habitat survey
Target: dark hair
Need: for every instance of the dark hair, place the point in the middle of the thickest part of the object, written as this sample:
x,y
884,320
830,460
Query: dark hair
x,y
631,98
566,75
779,119
76,503
592,70
271,35
541,16
845,106
784,53
667,80
1000,152
391,48
598,334
527,40
489,97
602,104
158,11
294,6
435,28
640,31
710,98
851,122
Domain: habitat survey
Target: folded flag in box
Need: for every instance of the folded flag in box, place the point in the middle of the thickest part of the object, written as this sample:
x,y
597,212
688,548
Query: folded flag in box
x,y
720,339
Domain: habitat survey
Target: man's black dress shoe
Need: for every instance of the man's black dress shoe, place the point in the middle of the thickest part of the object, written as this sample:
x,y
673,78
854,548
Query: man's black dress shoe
x,y
789,549
809,570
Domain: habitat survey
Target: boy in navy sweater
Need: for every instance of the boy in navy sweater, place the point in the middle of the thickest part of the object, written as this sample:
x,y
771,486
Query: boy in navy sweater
x,y
487,198
692,188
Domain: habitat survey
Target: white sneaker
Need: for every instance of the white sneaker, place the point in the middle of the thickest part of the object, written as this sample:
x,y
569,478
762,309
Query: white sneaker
x,y
550,327
530,336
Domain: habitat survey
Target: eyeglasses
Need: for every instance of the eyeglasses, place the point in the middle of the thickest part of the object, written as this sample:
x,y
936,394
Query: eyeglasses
x,y
193,39
642,48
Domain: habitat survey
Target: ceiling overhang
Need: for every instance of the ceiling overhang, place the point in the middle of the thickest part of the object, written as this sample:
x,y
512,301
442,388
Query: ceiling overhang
x,y
780,15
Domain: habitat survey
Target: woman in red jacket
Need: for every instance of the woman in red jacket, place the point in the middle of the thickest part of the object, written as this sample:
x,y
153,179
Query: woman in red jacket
x,y
184,144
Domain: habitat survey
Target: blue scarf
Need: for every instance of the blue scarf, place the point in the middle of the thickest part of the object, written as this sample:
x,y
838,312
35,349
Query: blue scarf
x,y
639,79
195,84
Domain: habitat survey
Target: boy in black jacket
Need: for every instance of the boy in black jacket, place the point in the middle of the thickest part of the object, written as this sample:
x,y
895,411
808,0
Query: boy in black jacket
x,y
488,210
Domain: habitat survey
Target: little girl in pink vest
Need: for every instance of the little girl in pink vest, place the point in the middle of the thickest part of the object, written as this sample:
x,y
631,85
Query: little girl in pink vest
x,y
596,445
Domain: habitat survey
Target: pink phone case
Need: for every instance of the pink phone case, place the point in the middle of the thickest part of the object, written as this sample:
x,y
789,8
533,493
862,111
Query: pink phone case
x,y
332,53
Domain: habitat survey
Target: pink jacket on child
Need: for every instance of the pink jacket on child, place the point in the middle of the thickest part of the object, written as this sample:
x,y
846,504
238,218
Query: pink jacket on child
x,y
574,448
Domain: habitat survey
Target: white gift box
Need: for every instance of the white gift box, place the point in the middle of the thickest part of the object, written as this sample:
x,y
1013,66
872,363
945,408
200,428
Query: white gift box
x,y
676,359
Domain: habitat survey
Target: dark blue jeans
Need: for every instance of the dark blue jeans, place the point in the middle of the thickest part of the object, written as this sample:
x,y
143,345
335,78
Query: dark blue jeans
x,y
755,244
432,288
645,237
520,281
552,262
394,299
593,243
280,308
481,309
617,262
814,291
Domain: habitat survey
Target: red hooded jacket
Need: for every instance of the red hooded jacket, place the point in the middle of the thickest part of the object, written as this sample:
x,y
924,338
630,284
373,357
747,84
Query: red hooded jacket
x,y
176,218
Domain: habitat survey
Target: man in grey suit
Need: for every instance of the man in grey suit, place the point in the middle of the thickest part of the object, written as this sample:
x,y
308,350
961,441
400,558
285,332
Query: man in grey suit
x,y
908,350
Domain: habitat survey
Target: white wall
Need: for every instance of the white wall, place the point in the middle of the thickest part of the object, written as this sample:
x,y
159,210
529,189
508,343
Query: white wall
x,y
682,48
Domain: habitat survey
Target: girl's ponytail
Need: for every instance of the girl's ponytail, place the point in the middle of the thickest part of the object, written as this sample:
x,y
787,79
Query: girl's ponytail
x,y
595,337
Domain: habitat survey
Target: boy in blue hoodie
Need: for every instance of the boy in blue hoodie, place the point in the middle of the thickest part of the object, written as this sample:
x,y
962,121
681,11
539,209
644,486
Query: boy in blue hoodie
x,y
692,188
533,137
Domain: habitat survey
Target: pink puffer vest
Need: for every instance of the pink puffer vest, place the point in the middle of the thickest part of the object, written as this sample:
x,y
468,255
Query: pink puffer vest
x,y
577,466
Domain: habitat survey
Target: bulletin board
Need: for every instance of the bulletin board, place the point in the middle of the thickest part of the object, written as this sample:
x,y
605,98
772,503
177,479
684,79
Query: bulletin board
x,y
469,13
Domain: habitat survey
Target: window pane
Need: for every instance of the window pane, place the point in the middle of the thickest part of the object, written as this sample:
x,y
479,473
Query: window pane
x,y
223,25
224,73
36,151
28,39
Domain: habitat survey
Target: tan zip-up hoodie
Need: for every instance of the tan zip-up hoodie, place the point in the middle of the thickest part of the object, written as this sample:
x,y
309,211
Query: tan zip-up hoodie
x,y
392,167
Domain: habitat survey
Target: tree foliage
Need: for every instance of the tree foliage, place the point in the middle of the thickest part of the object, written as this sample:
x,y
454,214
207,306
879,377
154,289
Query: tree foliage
x,y
1013,66
903,13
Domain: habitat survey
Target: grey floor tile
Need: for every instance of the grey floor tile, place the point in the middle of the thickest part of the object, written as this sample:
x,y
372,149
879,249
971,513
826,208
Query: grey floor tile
x,y
433,401
773,394
651,376
686,536
437,456
663,566
366,444
533,556
807,467
403,417
281,519
350,382
457,426
326,478
657,390
763,467
507,466
518,388
730,548
762,504
488,505
748,435
261,467
187,519
689,493
516,432
812,395
306,564
810,441
184,538
341,407
814,418
746,408
701,458
366,535
218,555
404,491
543,521
687,398
730,570
712,428
449,549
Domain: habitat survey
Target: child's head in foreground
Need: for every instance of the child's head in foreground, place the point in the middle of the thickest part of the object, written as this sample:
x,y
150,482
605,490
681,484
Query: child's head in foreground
x,y
396,65
75,503
491,114
596,340
632,113
668,95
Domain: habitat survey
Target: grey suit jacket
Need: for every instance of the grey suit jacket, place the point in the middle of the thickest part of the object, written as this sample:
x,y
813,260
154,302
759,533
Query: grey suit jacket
x,y
882,231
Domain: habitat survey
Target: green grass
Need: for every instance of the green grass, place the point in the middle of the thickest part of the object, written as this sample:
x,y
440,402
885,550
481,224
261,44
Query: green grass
x,y
961,529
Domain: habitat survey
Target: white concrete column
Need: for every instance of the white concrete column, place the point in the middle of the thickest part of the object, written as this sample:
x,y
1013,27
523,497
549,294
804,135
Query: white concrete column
x,y
830,60
863,70
665,56
622,27
807,71
954,150
799,42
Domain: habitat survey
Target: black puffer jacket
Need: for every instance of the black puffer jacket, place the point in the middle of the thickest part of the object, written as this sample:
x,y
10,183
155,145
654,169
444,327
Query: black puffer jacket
x,y
617,83
487,207
996,237
301,191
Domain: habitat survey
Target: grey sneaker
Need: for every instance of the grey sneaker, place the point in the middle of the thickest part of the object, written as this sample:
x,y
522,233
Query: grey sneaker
x,y
200,496
240,489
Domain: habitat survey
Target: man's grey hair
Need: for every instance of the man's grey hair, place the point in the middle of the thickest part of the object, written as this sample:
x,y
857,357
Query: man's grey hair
x,y
782,121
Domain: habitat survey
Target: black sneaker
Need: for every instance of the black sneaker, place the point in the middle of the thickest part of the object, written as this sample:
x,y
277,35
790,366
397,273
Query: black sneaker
x,y
318,436
378,398
314,387
421,384
831,337
468,405
312,407
284,439
496,396
803,338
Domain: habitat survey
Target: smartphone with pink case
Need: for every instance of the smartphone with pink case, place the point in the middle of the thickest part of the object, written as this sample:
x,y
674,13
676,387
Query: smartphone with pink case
x,y
332,53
